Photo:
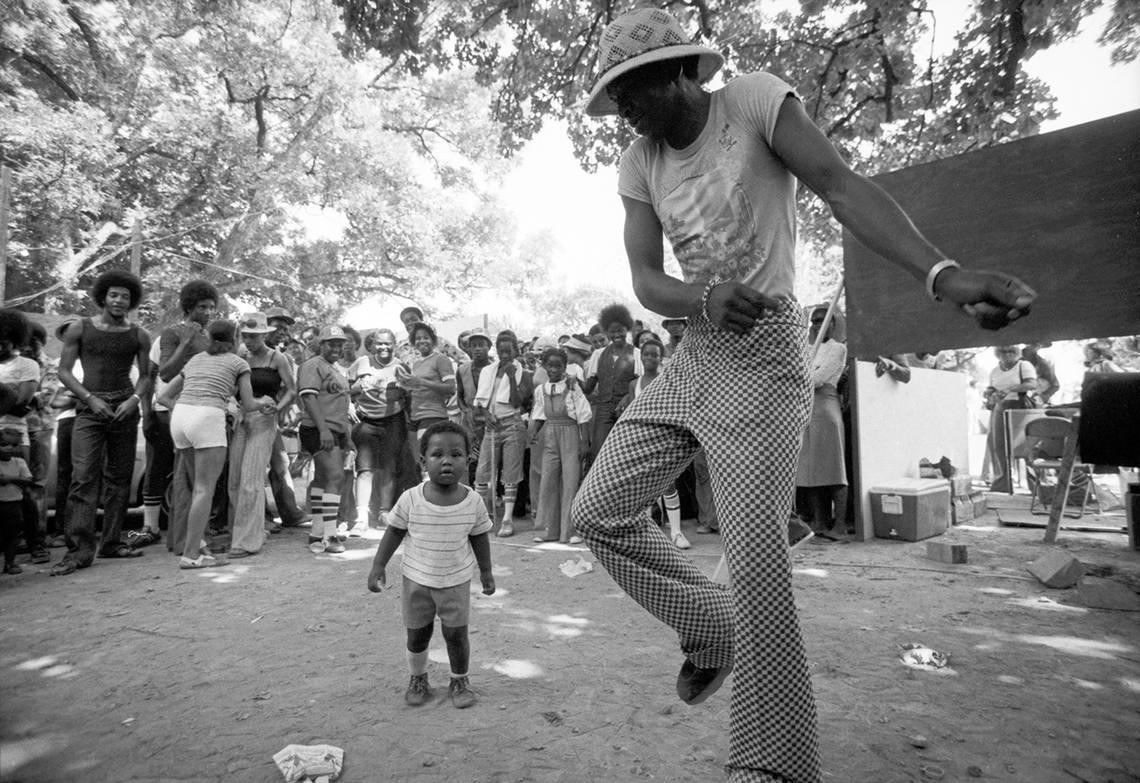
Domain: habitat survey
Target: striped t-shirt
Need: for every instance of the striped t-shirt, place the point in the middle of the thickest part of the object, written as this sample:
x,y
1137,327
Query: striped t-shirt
x,y
436,550
209,378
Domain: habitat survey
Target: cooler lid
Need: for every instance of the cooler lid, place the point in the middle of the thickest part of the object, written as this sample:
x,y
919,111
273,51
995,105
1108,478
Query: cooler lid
x,y
912,486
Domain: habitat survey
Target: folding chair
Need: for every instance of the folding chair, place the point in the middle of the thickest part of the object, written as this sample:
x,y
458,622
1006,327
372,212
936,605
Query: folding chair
x,y
1045,438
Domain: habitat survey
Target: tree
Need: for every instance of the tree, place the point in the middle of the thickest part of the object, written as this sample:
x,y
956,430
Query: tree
x,y
858,65
254,154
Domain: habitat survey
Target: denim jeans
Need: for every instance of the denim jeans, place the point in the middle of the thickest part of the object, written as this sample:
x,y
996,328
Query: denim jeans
x,y
250,451
63,430
101,450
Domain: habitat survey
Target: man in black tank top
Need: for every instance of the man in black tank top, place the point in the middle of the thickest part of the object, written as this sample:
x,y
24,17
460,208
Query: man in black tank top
x,y
107,418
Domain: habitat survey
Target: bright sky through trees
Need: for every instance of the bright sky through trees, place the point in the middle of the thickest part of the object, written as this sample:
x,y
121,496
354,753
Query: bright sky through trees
x,y
582,212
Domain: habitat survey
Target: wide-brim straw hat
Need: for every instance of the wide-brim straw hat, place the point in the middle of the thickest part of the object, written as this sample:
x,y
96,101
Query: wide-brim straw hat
x,y
256,323
640,37
578,346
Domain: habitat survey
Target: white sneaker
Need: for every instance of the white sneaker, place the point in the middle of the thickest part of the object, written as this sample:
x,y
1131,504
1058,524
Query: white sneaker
x,y
575,540
680,541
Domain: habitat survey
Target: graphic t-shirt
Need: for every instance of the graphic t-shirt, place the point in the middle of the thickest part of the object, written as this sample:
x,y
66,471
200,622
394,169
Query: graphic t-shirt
x,y
726,202
380,396
330,387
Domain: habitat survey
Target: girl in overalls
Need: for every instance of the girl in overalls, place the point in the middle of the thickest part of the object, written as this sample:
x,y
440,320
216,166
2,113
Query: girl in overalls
x,y
562,408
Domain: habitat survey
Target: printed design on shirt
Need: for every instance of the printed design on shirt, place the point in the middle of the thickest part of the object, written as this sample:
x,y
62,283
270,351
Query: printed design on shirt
x,y
727,140
709,221
336,382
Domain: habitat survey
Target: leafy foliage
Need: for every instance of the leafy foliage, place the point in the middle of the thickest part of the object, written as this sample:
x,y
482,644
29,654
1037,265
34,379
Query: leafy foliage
x,y
253,154
858,65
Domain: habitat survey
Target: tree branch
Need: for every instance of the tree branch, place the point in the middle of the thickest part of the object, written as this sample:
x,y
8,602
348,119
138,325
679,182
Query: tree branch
x,y
88,38
47,71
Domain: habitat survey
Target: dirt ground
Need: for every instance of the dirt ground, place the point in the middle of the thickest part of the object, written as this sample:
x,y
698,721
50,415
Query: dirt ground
x,y
137,671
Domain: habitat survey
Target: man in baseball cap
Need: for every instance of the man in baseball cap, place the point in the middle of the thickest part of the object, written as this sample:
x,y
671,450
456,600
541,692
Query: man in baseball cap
x,y
324,433
729,213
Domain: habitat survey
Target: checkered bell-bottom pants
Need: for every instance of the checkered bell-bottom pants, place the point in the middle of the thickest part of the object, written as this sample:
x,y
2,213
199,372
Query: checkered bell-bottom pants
x,y
745,399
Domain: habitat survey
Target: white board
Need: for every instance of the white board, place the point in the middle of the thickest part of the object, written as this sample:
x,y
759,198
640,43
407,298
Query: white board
x,y
897,424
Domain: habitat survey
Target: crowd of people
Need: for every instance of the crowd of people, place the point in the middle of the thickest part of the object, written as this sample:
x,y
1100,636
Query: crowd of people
x,y
235,411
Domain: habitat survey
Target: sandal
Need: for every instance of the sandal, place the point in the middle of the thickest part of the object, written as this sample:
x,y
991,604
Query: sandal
x,y
64,567
140,538
202,561
122,551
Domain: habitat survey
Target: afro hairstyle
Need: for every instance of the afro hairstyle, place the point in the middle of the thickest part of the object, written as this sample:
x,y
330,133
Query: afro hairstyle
x,y
116,278
615,314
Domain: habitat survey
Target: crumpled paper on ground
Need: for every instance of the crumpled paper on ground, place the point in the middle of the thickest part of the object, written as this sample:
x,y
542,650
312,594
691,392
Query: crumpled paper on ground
x,y
576,567
919,656
316,763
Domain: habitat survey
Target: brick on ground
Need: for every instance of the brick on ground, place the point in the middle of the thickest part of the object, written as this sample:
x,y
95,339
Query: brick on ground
x,y
1097,593
946,552
1057,569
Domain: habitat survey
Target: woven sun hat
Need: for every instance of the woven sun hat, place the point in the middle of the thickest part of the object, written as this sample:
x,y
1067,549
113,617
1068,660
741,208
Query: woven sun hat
x,y
578,346
640,37
256,323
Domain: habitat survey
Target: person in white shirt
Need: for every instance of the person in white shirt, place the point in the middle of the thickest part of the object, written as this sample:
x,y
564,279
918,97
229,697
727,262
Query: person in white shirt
x,y
715,174
821,476
1011,382
505,390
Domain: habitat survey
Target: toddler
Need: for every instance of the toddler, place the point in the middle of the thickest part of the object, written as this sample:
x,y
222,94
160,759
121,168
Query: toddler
x,y
443,526
14,477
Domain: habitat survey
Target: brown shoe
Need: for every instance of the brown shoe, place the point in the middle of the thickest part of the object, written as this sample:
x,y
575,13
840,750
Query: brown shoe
x,y
461,696
419,691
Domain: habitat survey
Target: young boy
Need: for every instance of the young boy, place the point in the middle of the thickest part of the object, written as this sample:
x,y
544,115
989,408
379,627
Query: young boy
x,y
443,526
14,478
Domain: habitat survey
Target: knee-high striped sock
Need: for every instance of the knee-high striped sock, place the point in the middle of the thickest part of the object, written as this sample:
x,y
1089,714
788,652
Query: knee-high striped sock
x,y
484,491
510,495
673,511
152,509
330,505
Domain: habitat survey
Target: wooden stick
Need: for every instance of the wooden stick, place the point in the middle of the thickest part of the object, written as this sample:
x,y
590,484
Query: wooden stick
x,y
5,188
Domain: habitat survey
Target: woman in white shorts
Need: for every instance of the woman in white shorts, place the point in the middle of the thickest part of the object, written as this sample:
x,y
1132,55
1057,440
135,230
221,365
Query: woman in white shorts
x,y
198,424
